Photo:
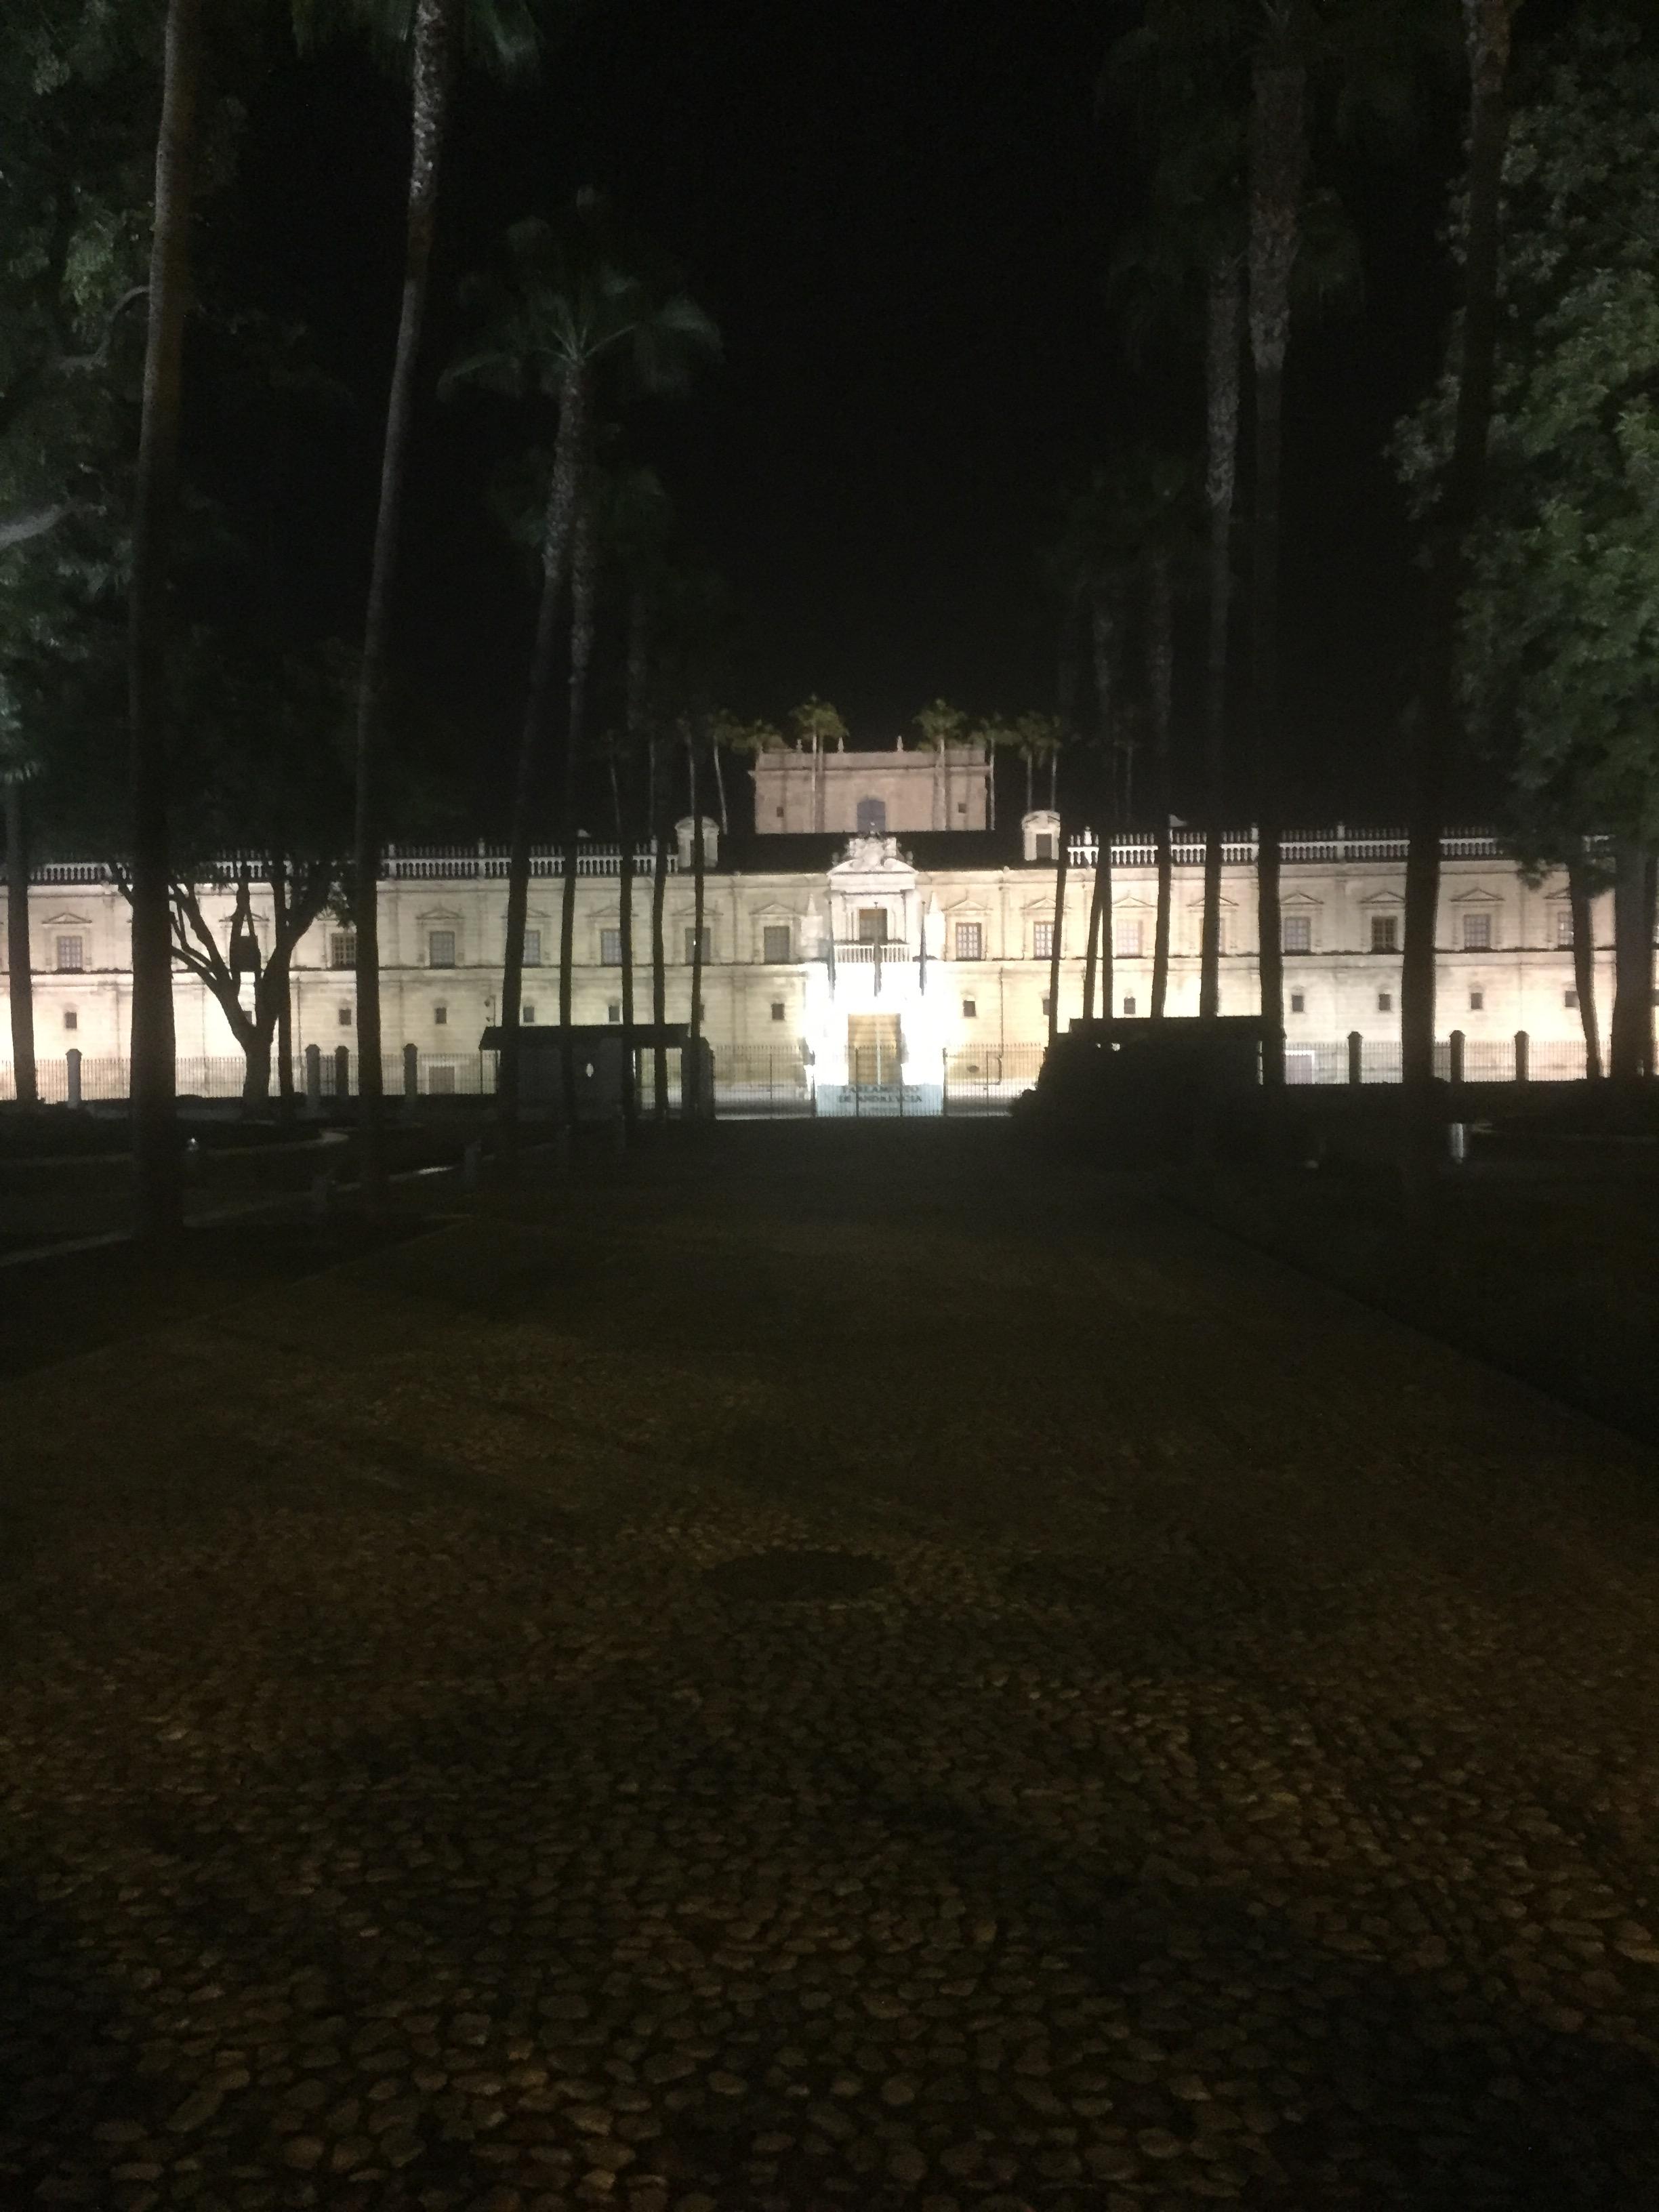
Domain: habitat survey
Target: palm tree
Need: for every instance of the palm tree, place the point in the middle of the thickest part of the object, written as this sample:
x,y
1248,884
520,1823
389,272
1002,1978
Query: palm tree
x,y
1038,738
815,725
158,1192
20,973
1222,325
635,519
1177,71
1486,25
501,34
1057,933
1160,671
938,726
694,736
583,584
1103,643
569,308
1278,175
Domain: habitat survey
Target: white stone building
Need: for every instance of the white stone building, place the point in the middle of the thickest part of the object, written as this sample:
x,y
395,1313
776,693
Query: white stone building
x,y
852,958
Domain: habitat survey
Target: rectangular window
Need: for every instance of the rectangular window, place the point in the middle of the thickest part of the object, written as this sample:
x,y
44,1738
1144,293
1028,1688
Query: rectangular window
x,y
1385,933
527,1016
441,948
1569,998
872,924
970,1010
613,1011
71,1019
970,940
776,944
1046,1004
1477,932
1476,1002
532,948
1385,1002
777,1010
691,944
343,1016
343,948
71,955
1044,846
1299,1002
1564,927
1298,932
1126,938
1043,941
440,1017
1129,1005
611,948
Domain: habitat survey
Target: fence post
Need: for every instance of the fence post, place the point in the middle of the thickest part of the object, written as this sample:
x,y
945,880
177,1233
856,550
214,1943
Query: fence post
x,y
314,1076
1454,1056
1356,1057
342,1072
944,1083
411,1073
1523,1055
72,1063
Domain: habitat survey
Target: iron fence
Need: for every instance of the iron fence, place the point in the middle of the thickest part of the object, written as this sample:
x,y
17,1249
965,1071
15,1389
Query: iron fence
x,y
771,1082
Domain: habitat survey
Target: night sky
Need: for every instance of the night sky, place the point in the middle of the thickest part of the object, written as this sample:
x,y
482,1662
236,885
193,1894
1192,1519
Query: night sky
x,y
902,221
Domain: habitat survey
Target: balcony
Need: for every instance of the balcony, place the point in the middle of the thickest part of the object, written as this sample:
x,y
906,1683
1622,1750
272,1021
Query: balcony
x,y
856,954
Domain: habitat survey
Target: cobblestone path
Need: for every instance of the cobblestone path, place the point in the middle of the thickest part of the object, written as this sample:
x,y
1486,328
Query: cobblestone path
x,y
852,1672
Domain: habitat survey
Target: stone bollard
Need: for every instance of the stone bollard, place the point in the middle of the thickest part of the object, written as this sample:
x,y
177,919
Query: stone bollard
x,y
342,1073
72,1074
313,1079
411,1073
1523,1055
1454,1056
1356,1057
1457,1142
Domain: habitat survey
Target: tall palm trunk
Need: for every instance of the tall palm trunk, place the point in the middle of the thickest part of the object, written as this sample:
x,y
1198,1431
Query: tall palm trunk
x,y
1630,1037
1101,641
624,936
1439,730
556,529
720,789
1057,934
691,1071
582,580
638,650
660,831
159,1191
1222,382
1160,680
435,36
20,976
1584,961
1278,159
277,878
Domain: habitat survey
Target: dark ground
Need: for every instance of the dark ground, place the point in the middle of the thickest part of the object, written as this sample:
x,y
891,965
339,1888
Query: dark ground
x,y
1203,1748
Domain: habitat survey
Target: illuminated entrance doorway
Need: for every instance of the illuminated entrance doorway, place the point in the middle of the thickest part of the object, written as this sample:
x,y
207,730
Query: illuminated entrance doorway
x,y
873,1049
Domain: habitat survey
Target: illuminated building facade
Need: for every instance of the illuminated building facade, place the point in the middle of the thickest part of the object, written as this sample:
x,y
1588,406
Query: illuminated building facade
x,y
867,958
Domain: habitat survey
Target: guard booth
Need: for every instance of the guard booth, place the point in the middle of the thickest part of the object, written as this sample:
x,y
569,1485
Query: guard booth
x,y
1147,1086
599,1051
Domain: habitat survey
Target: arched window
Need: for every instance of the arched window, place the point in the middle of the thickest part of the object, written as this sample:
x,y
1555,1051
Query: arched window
x,y
872,817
